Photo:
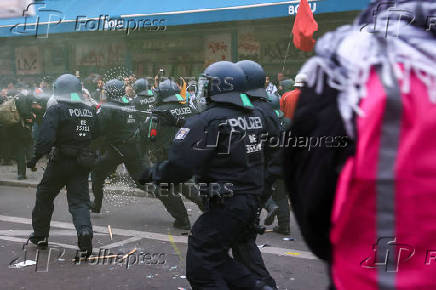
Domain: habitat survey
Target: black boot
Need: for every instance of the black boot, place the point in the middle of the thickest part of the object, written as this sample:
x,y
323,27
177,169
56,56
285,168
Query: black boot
x,y
183,224
40,241
84,241
272,209
260,285
95,208
282,229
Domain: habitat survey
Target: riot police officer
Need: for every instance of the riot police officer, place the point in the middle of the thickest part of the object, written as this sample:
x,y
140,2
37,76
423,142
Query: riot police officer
x,y
168,115
248,252
222,147
69,126
278,192
145,97
259,98
256,78
118,122
143,102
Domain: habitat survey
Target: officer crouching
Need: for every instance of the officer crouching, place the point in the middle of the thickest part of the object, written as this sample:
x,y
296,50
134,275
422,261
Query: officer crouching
x,y
221,147
69,125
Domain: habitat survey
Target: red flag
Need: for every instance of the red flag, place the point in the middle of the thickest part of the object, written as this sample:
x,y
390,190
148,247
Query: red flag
x,y
304,27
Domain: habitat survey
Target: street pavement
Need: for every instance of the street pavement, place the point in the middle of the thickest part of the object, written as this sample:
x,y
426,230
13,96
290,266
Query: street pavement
x,y
148,253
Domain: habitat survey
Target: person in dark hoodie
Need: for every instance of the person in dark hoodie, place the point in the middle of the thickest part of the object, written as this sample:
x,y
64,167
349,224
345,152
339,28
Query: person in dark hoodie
x,y
21,134
364,198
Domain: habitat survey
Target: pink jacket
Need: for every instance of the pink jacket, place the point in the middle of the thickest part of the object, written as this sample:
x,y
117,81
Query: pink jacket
x,y
384,215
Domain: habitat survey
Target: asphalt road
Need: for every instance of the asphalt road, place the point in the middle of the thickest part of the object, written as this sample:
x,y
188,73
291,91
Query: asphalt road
x,y
140,226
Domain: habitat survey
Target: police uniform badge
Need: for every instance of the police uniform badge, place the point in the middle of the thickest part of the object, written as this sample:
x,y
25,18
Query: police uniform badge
x,y
181,134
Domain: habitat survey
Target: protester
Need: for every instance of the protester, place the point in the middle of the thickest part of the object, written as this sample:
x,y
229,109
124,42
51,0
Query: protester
x,y
269,86
365,204
289,100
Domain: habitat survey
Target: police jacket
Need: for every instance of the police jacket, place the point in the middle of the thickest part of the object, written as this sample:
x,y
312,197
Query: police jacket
x,y
222,145
66,124
166,119
118,121
274,146
144,103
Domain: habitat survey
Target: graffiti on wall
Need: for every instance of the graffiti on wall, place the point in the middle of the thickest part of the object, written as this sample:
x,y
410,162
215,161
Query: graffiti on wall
x,y
27,60
99,54
5,62
248,45
218,47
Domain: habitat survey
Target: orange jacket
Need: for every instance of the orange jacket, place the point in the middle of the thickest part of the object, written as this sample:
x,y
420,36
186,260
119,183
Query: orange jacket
x,y
288,102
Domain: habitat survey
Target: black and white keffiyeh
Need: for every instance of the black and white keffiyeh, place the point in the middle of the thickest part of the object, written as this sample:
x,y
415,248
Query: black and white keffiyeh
x,y
388,32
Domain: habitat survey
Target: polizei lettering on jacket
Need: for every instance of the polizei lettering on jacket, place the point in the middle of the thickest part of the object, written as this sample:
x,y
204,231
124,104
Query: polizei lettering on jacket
x,y
147,101
181,111
80,113
245,123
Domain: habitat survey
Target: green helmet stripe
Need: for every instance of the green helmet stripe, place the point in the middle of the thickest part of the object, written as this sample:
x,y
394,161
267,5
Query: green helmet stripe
x,y
75,97
179,97
149,128
245,100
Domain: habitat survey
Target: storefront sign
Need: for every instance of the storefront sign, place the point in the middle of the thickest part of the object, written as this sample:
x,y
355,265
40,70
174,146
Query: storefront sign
x,y
293,8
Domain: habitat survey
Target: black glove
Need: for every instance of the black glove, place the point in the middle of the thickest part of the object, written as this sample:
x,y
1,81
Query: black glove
x,y
146,177
31,164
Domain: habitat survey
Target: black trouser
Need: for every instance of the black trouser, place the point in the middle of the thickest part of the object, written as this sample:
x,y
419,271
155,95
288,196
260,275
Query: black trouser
x,y
247,253
21,142
130,155
23,152
61,172
5,145
112,157
221,227
280,196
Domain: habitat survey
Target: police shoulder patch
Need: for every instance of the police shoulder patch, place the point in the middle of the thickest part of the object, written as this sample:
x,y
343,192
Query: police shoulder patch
x,y
182,133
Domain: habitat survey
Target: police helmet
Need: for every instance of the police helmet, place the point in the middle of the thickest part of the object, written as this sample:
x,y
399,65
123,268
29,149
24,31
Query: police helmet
x,y
224,82
67,86
168,91
274,100
287,85
114,89
141,88
255,78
